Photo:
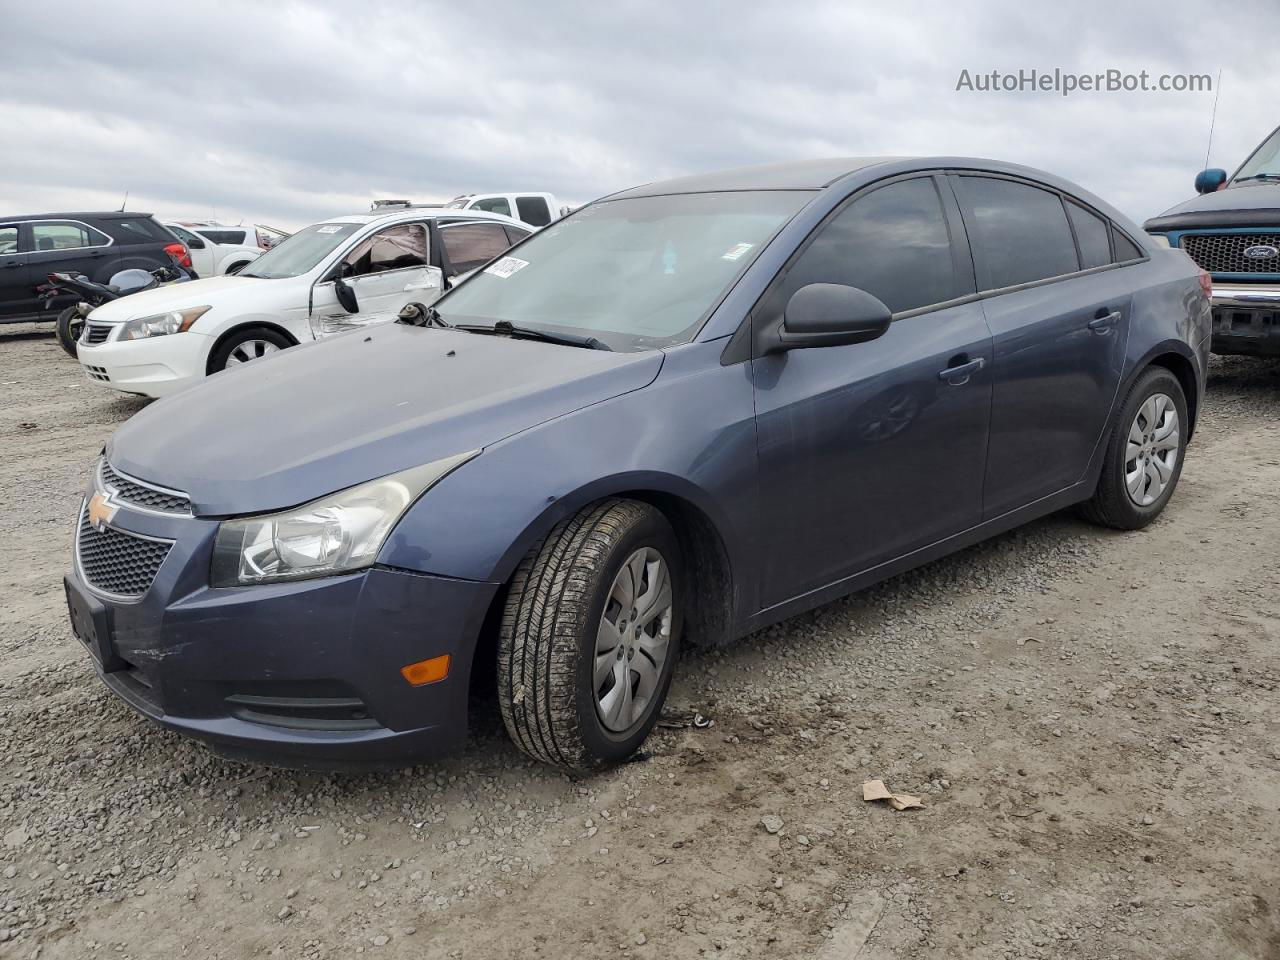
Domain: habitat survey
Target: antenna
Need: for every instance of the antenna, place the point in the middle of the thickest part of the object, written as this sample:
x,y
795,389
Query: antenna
x,y
124,201
1213,119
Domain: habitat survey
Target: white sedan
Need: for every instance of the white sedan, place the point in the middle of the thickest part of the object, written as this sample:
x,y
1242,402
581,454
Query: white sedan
x,y
159,341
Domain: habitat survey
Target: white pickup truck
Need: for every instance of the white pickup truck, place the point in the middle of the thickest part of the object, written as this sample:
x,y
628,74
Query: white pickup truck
x,y
535,209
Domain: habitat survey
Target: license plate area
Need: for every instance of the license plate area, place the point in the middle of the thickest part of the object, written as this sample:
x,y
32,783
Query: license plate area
x,y
91,623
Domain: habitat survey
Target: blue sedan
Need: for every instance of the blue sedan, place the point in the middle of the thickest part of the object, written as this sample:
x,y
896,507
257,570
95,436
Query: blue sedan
x,y
682,413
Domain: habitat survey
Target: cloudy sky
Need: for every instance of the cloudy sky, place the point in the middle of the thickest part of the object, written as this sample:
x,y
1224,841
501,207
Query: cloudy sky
x,y
288,112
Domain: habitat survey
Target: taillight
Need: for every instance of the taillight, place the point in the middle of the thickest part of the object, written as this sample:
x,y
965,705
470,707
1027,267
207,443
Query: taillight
x,y
1206,284
180,253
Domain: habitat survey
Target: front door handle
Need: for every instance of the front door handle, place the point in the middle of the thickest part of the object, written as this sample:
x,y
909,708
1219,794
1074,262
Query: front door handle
x,y
959,374
1104,323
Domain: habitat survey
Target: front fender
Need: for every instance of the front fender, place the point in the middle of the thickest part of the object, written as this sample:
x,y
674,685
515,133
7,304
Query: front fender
x,y
479,521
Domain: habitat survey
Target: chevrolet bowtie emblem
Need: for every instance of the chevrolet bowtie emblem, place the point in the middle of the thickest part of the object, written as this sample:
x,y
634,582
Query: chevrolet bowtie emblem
x,y
101,512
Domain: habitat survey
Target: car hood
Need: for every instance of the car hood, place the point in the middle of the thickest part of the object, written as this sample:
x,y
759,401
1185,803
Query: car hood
x,y
215,291
1256,204
328,415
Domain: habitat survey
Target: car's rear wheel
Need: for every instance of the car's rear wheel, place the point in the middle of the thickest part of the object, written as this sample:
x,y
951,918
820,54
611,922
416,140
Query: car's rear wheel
x,y
70,326
245,346
1144,454
589,636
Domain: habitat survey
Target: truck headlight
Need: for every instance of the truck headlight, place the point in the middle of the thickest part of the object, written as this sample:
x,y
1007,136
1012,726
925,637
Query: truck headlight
x,y
162,324
335,534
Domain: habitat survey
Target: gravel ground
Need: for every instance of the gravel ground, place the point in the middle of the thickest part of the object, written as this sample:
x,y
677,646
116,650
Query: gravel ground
x,y
1090,719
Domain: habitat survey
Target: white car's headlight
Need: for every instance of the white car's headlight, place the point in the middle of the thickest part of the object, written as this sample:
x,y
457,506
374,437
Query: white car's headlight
x,y
335,534
162,324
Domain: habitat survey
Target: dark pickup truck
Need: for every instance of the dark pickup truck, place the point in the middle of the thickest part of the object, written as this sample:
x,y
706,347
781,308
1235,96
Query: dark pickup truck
x,y
1232,230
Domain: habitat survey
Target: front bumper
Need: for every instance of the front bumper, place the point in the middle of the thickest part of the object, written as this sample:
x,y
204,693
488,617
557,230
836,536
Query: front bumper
x,y
154,367
303,674
1246,319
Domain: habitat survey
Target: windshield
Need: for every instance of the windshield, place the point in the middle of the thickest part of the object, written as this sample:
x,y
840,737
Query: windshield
x,y
1265,161
297,254
636,273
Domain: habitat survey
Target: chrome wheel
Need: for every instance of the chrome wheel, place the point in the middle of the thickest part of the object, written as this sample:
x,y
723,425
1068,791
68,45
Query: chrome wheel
x,y
632,640
1151,452
250,350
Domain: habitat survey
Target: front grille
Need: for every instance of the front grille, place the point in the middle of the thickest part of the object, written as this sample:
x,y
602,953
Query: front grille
x,y
96,333
139,494
118,563
1224,252
97,373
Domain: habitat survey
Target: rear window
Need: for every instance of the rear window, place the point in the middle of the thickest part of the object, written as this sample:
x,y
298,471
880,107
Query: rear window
x,y
233,237
136,230
534,210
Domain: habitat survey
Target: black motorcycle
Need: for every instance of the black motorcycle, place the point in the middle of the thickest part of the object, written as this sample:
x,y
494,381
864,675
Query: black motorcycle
x,y
90,295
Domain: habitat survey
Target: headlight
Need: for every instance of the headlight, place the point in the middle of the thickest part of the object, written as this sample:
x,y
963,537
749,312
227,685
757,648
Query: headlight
x,y
335,534
162,324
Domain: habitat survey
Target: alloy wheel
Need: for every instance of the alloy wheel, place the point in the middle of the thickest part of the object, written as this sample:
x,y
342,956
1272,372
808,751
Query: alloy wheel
x,y
632,640
250,350
1151,452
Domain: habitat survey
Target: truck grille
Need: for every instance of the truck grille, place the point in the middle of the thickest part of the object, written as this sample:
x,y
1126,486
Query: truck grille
x,y
95,333
118,563
140,494
1224,252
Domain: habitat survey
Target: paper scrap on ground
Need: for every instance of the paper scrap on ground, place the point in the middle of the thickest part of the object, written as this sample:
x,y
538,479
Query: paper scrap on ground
x,y
876,790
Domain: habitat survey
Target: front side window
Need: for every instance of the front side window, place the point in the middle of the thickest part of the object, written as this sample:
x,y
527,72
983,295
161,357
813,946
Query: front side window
x,y
534,211
637,273
64,235
1019,233
395,248
295,255
471,245
892,242
493,205
1092,234
8,240
187,237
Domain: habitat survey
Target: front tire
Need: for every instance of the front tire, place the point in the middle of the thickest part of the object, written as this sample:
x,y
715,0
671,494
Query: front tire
x,y
1144,455
70,326
589,636
244,346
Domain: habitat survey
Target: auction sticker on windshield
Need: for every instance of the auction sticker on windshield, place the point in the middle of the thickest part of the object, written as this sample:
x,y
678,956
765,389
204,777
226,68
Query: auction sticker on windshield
x,y
736,251
506,266
330,228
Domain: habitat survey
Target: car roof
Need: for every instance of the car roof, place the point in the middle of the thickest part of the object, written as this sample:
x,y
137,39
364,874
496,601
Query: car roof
x,y
791,175
424,213
82,215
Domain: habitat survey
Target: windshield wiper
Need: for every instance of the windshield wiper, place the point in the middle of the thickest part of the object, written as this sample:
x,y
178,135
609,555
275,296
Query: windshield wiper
x,y
1258,176
504,328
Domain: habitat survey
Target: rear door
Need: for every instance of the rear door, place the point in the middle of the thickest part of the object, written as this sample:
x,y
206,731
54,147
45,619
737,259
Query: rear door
x,y
1059,315
467,246
17,289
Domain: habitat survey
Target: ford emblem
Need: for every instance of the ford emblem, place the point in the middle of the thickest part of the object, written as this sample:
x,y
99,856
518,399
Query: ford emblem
x,y
1263,251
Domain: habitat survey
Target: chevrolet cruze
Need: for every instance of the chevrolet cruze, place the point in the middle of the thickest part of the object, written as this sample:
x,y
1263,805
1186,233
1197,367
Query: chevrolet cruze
x,y
682,413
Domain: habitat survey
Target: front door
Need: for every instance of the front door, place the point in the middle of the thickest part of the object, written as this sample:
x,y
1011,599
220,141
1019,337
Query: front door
x,y
870,451
1060,334
386,271
17,289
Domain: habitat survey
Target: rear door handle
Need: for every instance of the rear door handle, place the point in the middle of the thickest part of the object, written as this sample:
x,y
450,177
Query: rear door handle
x,y
959,374
1103,324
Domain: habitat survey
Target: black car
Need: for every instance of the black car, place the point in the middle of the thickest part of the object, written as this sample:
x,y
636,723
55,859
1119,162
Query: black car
x,y
97,245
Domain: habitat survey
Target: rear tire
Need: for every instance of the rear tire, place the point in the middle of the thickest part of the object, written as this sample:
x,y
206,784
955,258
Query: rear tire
x,y
251,343
70,326
1145,453
566,638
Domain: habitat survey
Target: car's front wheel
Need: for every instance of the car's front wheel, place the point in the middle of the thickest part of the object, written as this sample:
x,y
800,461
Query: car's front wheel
x,y
1144,453
589,636
244,346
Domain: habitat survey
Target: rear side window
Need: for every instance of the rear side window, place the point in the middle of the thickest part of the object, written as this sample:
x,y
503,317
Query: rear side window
x,y
534,210
1019,233
470,245
65,235
137,230
893,243
8,240
1126,249
493,205
233,237
1092,235
515,234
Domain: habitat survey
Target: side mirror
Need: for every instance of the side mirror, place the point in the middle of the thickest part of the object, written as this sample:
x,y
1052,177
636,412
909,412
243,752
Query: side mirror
x,y
1210,180
830,315
346,296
